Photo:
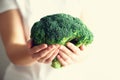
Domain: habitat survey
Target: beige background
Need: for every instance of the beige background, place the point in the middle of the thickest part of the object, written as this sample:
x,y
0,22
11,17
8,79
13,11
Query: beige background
x,y
103,62
103,59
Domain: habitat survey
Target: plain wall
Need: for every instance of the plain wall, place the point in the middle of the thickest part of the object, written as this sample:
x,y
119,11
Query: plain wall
x,y
103,62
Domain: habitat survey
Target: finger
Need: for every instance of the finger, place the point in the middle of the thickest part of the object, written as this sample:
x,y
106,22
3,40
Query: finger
x,y
38,48
63,63
81,47
51,53
40,60
52,56
44,52
73,48
29,43
49,57
65,57
65,50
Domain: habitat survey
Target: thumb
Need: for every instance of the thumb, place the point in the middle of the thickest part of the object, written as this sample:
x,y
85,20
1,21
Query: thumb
x,y
29,43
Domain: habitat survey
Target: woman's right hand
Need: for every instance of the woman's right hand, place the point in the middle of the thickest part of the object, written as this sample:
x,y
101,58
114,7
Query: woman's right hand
x,y
43,53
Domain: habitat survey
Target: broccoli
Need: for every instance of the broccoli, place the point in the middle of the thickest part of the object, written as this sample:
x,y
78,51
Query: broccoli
x,y
60,28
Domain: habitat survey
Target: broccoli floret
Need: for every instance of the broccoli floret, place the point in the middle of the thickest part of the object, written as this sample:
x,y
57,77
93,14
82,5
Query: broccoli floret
x,y
59,29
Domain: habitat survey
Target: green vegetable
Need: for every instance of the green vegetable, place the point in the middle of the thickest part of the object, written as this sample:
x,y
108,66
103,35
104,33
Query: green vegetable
x,y
59,29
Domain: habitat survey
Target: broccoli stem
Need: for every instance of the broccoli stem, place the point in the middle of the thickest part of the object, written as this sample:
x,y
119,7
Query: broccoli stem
x,y
56,64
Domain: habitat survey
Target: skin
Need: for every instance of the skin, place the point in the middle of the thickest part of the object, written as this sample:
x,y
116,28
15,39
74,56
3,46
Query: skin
x,y
18,45
69,54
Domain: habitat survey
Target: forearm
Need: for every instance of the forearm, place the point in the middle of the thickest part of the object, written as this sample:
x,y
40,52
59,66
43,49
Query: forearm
x,y
19,54
13,37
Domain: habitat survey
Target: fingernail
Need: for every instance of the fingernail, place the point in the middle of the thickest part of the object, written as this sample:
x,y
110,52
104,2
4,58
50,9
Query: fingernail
x,y
57,45
45,45
68,43
61,47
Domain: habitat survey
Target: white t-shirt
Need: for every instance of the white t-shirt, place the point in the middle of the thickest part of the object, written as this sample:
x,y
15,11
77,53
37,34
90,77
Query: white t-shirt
x,y
32,11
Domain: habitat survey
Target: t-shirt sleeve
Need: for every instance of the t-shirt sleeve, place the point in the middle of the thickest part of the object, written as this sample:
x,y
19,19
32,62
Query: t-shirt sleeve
x,y
6,5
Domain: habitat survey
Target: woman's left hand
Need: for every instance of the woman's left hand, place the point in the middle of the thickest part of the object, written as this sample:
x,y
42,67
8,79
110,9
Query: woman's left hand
x,y
69,54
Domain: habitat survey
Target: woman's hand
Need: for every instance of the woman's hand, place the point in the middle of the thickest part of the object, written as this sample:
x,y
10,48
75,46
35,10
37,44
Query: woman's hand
x,y
44,53
70,54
